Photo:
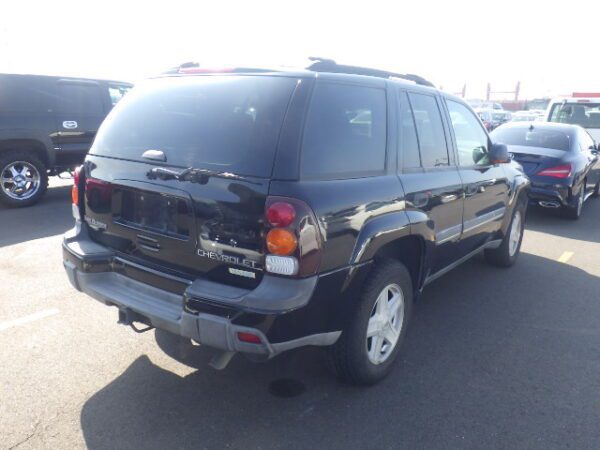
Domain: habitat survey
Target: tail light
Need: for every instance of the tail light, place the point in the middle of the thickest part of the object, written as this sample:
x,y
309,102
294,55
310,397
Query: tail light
x,y
563,171
293,240
97,191
75,192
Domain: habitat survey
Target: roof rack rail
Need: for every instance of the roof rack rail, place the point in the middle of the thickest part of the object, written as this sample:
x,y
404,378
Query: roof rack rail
x,y
329,65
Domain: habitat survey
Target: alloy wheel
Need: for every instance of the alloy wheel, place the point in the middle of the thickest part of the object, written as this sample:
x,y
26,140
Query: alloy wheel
x,y
515,234
20,180
385,324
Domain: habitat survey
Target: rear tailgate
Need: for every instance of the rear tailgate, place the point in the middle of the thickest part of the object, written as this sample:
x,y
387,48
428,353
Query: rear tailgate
x,y
186,228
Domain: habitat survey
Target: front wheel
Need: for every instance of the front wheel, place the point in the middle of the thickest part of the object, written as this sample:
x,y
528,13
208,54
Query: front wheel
x,y
508,251
369,344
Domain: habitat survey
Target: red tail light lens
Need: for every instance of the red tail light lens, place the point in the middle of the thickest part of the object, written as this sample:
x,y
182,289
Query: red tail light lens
x,y
248,337
281,214
563,171
292,239
97,191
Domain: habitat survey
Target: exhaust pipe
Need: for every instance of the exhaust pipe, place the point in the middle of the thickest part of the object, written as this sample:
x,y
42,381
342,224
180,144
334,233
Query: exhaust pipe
x,y
549,204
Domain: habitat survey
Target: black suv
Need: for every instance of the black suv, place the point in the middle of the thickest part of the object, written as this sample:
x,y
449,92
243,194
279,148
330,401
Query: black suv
x,y
47,125
257,212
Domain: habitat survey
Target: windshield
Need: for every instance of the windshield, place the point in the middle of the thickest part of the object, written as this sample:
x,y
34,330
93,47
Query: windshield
x,y
532,137
585,114
223,123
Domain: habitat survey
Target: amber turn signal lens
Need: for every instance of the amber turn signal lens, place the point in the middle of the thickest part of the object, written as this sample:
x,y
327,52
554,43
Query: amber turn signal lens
x,y
281,242
75,195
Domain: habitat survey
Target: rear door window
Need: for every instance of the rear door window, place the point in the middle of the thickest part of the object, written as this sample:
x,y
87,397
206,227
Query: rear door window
x,y
223,123
345,133
430,130
81,99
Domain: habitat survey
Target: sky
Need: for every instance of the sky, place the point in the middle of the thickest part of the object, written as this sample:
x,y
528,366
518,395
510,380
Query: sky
x,y
546,45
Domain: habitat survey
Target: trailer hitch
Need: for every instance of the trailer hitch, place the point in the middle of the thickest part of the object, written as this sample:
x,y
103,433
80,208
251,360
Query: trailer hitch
x,y
128,317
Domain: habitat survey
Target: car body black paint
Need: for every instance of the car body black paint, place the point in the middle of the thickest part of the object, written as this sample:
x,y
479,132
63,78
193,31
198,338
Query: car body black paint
x,y
358,216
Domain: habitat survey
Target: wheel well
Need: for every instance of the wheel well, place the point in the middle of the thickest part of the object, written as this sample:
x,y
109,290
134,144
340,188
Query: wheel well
x,y
410,252
26,145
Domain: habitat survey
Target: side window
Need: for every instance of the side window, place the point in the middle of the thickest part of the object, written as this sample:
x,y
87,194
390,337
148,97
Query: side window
x,y
117,92
79,99
471,140
345,133
409,145
430,130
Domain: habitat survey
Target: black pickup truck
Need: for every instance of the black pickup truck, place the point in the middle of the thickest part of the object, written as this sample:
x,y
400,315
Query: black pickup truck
x,y
47,125
259,211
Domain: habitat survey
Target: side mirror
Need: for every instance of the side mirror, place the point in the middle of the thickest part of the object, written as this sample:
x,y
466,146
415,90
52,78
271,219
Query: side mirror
x,y
499,154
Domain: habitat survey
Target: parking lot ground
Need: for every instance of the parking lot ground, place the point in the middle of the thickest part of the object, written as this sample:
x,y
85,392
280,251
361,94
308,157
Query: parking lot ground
x,y
494,358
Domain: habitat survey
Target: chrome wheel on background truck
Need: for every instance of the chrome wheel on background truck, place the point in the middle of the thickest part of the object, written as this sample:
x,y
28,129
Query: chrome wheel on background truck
x,y
23,179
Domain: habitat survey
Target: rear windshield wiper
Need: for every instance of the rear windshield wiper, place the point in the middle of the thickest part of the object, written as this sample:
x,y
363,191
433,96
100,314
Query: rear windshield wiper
x,y
191,174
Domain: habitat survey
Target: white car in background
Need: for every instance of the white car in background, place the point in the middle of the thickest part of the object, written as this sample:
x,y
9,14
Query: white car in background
x,y
524,116
579,109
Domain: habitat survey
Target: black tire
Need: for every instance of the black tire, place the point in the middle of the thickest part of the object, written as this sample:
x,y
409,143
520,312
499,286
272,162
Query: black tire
x,y
14,157
574,212
349,355
506,255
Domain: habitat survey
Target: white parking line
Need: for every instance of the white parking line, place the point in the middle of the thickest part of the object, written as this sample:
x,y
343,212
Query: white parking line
x,y
27,319
565,257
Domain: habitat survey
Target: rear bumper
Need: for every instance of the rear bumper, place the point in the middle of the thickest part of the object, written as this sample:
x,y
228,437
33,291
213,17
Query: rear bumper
x,y
550,196
279,311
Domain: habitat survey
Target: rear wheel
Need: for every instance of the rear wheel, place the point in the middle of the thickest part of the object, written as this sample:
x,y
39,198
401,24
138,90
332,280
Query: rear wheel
x,y
574,212
508,251
368,346
23,179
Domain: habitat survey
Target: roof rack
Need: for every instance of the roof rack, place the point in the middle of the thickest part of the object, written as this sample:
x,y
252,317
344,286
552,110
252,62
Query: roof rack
x,y
329,65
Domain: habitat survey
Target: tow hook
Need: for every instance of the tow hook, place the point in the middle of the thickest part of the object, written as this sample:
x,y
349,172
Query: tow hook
x,y
128,317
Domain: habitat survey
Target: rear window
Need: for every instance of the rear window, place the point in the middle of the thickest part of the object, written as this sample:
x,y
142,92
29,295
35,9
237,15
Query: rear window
x,y
224,123
585,114
532,137
345,134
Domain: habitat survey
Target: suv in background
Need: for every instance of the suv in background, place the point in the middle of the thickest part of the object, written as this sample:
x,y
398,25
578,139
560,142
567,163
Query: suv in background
x,y
260,211
47,125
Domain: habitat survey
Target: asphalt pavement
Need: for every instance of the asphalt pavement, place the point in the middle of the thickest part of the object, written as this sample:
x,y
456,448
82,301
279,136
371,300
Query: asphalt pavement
x,y
494,358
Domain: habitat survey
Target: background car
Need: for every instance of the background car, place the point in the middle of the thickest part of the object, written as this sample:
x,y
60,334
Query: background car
x,y
47,125
524,116
486,118
561,161
583,110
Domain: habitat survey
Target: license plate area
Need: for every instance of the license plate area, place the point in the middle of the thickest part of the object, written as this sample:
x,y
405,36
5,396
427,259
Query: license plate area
x,y
149,211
